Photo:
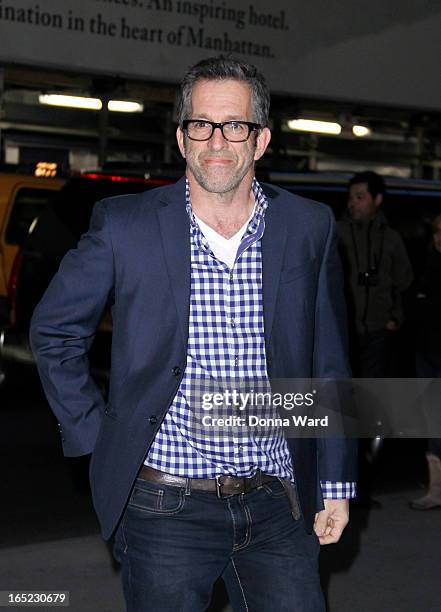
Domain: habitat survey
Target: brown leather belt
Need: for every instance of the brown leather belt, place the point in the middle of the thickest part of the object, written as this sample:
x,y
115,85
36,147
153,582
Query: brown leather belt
x,y
223,486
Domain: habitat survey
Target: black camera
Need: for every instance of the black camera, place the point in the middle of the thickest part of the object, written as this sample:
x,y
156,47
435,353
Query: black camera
x,y
368,278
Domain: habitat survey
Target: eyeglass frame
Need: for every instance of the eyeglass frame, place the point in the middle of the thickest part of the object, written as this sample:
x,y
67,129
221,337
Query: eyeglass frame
x,y
250,125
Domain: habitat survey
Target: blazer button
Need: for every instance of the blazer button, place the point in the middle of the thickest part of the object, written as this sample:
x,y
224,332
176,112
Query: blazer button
x,y
176,371
153,420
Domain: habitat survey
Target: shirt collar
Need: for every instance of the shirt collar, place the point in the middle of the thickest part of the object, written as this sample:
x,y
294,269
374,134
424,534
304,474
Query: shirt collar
x,y
260,199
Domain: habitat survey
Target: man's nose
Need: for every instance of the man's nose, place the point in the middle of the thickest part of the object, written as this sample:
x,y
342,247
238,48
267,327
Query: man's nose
x,y
217,140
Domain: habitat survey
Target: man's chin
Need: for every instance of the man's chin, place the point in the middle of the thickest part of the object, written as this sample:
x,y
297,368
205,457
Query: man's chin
x,y
219,185
219,188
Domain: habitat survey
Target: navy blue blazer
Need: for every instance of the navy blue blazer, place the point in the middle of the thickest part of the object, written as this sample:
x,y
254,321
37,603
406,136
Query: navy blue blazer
x,y
136,256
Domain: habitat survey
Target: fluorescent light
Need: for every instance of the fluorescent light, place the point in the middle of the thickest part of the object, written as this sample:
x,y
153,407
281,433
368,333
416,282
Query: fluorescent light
x,y
71,101
123,106
311,125
360,130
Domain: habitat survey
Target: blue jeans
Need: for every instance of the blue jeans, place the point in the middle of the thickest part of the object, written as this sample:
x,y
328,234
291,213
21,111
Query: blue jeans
x,y
174,543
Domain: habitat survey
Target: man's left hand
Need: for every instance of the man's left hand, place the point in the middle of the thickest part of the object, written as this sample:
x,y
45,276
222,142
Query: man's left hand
x,y
330,522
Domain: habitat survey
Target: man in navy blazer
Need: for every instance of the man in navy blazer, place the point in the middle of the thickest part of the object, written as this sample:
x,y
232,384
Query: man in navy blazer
x,y
214,277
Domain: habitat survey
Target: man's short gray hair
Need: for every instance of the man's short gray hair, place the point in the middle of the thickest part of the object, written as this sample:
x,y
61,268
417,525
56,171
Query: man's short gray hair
x,y
222,68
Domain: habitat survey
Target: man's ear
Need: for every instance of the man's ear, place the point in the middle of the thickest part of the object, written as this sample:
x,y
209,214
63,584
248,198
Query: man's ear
x,y
262,141
378,199
180,141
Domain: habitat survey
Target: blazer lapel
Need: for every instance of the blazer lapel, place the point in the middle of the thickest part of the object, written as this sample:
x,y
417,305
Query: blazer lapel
x,y
273,248
175,234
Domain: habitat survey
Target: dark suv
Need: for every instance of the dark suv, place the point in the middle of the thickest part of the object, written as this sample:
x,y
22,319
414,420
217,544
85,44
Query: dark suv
x,y
410,206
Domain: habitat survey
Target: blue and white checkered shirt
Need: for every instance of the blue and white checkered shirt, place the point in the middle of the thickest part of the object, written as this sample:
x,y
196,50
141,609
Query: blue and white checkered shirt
x,y
225,342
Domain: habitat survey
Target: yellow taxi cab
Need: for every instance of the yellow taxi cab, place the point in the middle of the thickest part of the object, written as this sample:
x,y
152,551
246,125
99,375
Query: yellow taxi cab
x,y
22,199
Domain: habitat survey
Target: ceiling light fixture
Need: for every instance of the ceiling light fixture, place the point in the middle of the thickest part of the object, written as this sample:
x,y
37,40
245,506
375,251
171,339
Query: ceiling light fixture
x,y
120,106
361,130
124,106
71,101
312,125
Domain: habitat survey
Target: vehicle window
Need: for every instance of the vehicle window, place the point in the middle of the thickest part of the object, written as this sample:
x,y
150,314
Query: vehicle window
x,y
408,211
335,197
411,214
74,203
29,204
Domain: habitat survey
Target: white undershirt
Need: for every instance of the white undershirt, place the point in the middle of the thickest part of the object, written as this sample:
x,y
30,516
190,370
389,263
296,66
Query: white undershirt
x,y
224,249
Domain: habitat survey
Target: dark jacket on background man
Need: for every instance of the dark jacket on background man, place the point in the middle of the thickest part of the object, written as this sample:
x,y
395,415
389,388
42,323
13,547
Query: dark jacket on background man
x,y
377,270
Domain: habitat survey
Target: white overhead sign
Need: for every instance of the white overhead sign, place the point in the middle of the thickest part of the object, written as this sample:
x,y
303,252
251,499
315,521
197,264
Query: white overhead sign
x,y
381,52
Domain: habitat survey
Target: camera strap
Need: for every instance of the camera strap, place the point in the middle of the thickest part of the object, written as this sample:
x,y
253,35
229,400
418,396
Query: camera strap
x,y
377,262
380,254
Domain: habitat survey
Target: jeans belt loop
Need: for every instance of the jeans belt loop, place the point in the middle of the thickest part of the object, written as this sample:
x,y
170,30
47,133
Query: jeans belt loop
x,y
218,487
188,486
258,479
291,492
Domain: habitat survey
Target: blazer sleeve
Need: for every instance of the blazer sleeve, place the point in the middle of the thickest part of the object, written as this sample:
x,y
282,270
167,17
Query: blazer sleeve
x,y
62,329
337,457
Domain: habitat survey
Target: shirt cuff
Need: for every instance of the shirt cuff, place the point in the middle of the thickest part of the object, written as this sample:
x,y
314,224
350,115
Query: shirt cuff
x,y
338,490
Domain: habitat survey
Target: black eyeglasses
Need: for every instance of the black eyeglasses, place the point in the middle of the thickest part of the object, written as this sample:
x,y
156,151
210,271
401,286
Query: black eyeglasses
x,y
233,131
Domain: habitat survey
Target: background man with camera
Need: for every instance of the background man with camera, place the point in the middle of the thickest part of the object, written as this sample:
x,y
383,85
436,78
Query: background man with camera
x,y
378,270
